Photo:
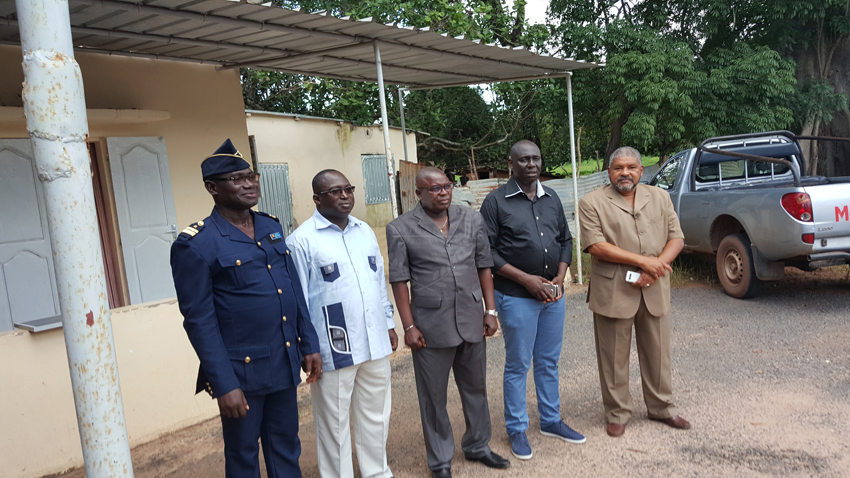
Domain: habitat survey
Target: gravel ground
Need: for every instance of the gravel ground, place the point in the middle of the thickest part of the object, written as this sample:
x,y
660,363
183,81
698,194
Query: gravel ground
x,y
765,383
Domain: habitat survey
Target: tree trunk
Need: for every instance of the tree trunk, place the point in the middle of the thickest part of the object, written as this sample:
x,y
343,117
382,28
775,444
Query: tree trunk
x,y
616,137
826,157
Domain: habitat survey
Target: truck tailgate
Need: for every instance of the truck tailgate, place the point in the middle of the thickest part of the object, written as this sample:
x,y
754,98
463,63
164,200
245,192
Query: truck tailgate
x,y
831,210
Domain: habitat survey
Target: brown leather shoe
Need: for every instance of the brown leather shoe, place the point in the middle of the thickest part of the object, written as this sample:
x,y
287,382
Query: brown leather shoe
x,y
616,429
676,422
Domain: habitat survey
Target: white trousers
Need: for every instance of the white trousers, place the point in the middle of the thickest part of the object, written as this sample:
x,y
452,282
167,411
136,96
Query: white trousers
x,y
362,391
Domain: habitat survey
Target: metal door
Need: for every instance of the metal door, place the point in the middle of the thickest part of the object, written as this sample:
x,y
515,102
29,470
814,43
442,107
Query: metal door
x,y
147,220
376,178
27,278
276,196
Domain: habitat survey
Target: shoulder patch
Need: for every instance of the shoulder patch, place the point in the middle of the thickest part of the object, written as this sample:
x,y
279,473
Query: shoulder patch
x,y
261,213
192,230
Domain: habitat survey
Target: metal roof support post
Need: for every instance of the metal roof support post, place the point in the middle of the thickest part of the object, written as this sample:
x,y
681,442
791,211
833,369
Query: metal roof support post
x,y
55,107
576,172
403,129
386,128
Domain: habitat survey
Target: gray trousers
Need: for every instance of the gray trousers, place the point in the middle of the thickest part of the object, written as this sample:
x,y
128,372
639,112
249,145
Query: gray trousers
x,y
432,366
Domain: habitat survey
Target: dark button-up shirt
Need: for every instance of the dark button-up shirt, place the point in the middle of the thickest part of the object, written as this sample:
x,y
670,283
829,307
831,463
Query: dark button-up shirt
x,y
243,305
529,234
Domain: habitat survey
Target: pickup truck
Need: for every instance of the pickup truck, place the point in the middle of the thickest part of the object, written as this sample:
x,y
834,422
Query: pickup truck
x,y
744,199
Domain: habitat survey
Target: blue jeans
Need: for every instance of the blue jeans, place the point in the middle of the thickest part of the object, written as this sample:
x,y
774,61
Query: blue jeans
x,y
532,330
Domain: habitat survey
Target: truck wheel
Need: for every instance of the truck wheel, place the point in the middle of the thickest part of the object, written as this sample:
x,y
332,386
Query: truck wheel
x,y
735,267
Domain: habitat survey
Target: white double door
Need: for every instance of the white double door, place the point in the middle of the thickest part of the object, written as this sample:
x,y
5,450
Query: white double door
x,y
147,225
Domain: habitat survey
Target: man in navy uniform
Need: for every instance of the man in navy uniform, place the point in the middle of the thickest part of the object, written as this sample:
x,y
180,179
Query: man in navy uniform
x,y
244,312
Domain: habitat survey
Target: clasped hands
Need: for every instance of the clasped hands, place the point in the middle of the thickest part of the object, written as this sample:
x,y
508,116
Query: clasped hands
x,y
651,269
536,286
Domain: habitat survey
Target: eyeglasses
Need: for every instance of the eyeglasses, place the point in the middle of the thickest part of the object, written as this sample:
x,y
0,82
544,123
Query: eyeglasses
x,y
438,189
240,180
337,192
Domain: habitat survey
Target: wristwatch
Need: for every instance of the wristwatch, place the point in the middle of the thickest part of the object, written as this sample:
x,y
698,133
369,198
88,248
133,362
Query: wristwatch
x,y
493,312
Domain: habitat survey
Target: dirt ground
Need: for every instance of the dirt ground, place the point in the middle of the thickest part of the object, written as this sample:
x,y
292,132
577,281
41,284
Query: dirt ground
x,y
765,383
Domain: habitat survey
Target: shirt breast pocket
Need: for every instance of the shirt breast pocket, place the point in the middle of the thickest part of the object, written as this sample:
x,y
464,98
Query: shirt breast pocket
x,y
330,272
238,270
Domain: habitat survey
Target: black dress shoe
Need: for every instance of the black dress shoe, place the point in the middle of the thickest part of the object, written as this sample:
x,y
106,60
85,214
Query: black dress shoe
x,y
491,460
444,473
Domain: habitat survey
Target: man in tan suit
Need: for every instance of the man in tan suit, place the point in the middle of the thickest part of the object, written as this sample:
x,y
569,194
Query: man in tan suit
x,y
627,226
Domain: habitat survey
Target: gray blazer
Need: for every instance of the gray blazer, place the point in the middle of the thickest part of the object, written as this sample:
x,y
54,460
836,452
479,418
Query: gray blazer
x,y
446,298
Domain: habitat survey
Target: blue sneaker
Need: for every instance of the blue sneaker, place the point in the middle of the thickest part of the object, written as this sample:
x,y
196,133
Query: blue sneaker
x,y
519,446
560,430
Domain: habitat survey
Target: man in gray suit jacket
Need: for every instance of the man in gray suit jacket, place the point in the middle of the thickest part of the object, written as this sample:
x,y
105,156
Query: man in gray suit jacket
x,y
443,251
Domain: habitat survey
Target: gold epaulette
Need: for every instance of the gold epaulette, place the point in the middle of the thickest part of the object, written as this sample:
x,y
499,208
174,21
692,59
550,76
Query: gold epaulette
x,y
193,229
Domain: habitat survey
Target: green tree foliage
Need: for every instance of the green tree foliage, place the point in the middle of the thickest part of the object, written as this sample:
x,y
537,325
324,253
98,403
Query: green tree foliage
x,y
668,83
457,120
676,72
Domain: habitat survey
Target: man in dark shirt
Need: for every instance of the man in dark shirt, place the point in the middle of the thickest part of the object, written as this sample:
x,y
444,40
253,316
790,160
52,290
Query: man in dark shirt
x,y
532,249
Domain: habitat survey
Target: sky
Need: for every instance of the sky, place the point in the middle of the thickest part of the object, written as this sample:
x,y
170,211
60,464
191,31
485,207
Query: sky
x,y
535,11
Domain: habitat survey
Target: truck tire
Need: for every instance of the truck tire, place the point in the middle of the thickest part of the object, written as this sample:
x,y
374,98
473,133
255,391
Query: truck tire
x,y
735,267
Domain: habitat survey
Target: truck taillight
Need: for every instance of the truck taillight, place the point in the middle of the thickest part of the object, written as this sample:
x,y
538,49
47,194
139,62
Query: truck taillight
x,y
809,238
798,205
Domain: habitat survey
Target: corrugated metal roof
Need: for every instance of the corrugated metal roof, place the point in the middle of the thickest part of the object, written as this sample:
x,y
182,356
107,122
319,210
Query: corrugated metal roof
x,y
235,34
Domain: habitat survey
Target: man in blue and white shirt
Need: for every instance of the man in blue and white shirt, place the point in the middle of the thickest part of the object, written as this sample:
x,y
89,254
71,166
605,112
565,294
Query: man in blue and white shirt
x,y
340,266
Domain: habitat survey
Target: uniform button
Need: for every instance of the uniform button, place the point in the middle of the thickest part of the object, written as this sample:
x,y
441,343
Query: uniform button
x,y
284,318
637,214
541,233
299,339
641,234
238,262
269,266
259,243
545,267
287,344
279,291
200,223
545,250
287,252
247,359
537,218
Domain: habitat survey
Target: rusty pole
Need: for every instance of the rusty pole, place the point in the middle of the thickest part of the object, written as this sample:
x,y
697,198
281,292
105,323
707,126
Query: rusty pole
x,y
576,172
55,108
385,125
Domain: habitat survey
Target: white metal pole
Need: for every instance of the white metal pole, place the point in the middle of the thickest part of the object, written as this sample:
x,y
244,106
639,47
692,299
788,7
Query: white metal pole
x,y
55,108
385,125
403,128
577,232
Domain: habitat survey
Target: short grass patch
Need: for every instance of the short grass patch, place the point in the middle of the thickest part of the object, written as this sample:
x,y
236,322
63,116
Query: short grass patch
x,y
590,167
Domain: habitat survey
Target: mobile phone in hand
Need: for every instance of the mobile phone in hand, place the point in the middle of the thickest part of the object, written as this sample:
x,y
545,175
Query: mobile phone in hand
x,y
552,290
632,276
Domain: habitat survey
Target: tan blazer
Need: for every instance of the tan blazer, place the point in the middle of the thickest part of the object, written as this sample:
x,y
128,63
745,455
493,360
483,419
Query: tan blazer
x,y
604,216
445,293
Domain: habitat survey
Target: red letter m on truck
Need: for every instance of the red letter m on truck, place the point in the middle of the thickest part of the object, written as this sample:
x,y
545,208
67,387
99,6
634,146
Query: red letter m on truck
x,y
839,213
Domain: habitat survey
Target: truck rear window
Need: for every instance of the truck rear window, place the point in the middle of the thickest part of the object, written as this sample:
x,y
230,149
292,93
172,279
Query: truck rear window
x,y
739,169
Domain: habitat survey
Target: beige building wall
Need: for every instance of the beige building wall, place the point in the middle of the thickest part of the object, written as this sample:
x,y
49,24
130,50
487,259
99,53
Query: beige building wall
x,y
310,145
194,108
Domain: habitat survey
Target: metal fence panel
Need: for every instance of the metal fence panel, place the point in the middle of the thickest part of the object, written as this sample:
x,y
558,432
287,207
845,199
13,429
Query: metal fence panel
x,y
564,189
376,179
276,196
